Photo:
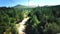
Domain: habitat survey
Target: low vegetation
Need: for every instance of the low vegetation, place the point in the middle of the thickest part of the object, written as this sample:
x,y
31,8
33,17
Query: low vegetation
x,y
43,20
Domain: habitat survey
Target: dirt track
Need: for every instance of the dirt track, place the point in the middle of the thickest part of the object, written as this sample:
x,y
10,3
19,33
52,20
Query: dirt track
x,y
21,26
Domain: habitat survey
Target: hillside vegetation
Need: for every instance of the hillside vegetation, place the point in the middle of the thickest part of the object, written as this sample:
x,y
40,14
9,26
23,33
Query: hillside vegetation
x,y
43,20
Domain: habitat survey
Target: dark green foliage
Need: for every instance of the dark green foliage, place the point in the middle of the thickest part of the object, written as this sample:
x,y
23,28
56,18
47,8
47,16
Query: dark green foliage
x,y
9,17
52,28
43,20
48,20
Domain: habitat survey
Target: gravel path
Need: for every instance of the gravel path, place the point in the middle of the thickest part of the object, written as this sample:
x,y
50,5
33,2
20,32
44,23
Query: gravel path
x,y
21,26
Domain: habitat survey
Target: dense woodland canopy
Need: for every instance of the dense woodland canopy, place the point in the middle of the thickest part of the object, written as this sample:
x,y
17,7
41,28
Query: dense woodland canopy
x,y
43,20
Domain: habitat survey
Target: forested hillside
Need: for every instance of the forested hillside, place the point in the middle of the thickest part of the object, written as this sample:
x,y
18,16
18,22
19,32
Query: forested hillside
x,y
9,17
43,20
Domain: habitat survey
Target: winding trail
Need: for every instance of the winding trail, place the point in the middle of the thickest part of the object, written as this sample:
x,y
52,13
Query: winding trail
x,y
21,26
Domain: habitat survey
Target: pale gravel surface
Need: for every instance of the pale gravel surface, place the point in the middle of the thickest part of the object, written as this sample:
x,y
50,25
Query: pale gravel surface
x,y
21,26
